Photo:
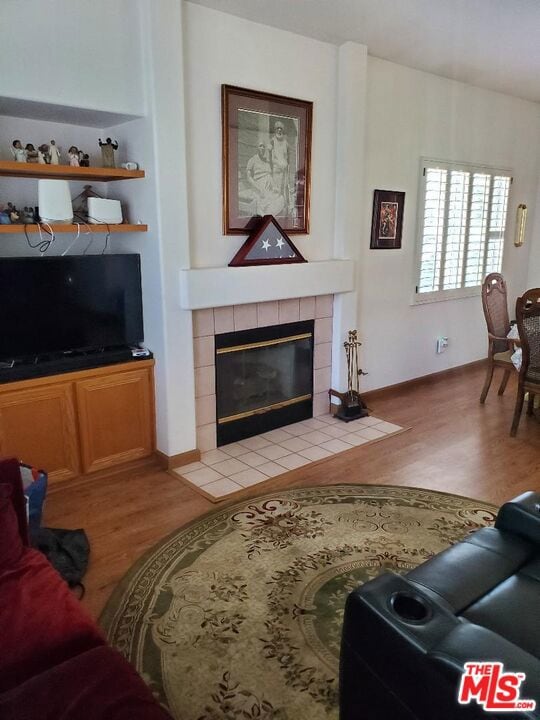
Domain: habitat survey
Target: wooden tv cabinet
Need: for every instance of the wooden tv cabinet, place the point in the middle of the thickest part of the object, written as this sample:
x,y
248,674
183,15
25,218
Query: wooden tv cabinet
x,y
77,423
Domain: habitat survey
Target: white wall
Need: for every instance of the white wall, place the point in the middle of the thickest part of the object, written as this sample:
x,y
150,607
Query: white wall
x,y
532,236
349,214
222,49
411,114
163,60
73,53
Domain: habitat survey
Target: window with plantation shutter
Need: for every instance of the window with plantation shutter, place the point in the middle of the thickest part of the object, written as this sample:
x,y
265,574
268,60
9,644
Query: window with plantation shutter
x,y
462,225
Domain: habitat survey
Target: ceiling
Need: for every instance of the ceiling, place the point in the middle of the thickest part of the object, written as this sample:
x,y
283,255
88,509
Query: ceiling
x,y
493,44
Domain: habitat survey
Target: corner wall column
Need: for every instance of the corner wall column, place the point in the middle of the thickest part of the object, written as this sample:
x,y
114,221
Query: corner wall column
x,y
350,191
175,371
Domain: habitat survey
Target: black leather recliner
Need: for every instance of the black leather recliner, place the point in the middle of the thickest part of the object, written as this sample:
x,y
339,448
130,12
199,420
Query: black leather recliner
x,y
406,638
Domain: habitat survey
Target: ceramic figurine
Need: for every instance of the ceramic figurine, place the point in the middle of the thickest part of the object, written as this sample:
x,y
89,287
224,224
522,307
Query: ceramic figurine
x,y
84,159
14,214
18,152
31,153
43,154
73,153
27,216
4,216
54,153
107,152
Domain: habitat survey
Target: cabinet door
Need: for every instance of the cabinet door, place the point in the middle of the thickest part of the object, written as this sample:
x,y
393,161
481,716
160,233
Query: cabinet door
x,y
116,418
38,426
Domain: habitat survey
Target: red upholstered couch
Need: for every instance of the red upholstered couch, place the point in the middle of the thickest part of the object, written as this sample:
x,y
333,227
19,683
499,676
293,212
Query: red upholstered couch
x,y
55,663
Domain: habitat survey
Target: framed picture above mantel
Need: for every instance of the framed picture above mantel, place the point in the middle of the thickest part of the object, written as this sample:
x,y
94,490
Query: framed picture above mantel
x,y
266,160
387,220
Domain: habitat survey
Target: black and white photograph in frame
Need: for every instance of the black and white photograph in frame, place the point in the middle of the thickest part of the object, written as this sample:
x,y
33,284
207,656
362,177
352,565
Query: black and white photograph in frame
x,y
266,148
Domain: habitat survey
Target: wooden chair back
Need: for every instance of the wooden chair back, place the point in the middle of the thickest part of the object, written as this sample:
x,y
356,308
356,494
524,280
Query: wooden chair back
x,y
528,322
494,302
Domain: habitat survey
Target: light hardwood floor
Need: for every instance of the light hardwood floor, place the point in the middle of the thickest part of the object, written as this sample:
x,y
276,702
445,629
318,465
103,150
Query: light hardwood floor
x,y
454,445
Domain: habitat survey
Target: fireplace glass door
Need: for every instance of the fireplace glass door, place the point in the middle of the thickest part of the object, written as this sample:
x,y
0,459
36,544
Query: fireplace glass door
x,y
264,379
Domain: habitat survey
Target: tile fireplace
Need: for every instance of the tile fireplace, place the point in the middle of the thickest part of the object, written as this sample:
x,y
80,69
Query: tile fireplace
x,y
282,398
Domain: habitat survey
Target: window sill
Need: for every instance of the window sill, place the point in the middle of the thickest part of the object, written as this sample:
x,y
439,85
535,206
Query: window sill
x,y
428,298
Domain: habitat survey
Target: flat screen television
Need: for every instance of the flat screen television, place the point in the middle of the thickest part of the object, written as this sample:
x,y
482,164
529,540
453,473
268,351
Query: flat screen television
x,y
62,304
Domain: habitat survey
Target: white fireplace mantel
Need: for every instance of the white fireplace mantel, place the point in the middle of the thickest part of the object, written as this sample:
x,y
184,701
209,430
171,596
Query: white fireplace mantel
x,y
222,286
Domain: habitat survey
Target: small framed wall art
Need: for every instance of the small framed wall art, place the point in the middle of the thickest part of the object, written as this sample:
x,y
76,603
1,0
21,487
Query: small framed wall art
x,y
387,219
266,160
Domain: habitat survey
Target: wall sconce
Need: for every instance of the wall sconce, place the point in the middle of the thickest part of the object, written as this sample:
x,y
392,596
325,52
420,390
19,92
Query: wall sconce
x,y
521,221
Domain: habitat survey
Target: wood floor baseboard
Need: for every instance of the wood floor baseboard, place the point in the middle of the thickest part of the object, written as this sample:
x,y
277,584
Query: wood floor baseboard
x,y
169,462
388,390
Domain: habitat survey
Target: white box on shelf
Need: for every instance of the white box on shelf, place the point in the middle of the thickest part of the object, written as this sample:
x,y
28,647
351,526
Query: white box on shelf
x,y
54,202
102,211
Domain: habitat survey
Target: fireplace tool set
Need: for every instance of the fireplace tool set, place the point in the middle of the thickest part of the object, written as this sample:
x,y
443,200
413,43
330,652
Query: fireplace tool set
x,y
351,404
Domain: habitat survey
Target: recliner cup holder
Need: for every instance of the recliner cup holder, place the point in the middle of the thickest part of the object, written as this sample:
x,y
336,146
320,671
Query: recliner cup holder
x,y
410,607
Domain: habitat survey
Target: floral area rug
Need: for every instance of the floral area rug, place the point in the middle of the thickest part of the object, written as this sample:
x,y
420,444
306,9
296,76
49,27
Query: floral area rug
x,y
238,615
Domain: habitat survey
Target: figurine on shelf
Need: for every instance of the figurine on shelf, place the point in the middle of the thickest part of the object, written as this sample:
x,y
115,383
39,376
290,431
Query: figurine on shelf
x,y
18,152
27,216
73,153
84,159
43,154
14,214
31,153
54,153
4,216
107,152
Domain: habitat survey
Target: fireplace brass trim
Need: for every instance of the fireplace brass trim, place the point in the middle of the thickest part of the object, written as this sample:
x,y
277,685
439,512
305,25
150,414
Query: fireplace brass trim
x,y
263,343
266,408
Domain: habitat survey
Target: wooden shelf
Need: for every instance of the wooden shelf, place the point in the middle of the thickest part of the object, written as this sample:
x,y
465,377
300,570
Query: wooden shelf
x,y
10,168
57,229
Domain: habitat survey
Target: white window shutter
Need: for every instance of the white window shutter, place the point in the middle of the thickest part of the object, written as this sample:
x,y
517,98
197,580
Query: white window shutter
x,y
433,235
463,224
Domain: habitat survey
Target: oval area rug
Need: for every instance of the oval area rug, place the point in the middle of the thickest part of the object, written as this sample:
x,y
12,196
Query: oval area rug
x,y
238,614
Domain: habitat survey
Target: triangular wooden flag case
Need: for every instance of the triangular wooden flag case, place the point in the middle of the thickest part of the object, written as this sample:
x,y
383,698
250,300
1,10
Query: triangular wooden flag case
x,y
269,244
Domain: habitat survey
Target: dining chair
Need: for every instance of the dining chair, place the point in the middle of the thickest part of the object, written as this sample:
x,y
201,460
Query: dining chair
x,y
500,349
528,322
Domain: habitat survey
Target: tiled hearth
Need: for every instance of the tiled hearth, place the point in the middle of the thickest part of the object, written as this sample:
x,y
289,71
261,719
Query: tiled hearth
x,y
235,467
212,321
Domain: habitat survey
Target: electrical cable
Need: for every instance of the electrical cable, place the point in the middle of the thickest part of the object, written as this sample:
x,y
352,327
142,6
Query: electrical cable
x,y
72,243
88,246
44,244
99,222
107,236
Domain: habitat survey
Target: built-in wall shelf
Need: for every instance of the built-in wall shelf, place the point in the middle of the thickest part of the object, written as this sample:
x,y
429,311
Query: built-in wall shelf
x,y
10,168
124,228
67,114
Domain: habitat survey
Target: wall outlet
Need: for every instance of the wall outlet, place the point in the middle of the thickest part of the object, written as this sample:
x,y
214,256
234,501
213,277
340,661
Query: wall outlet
x,y
442,344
